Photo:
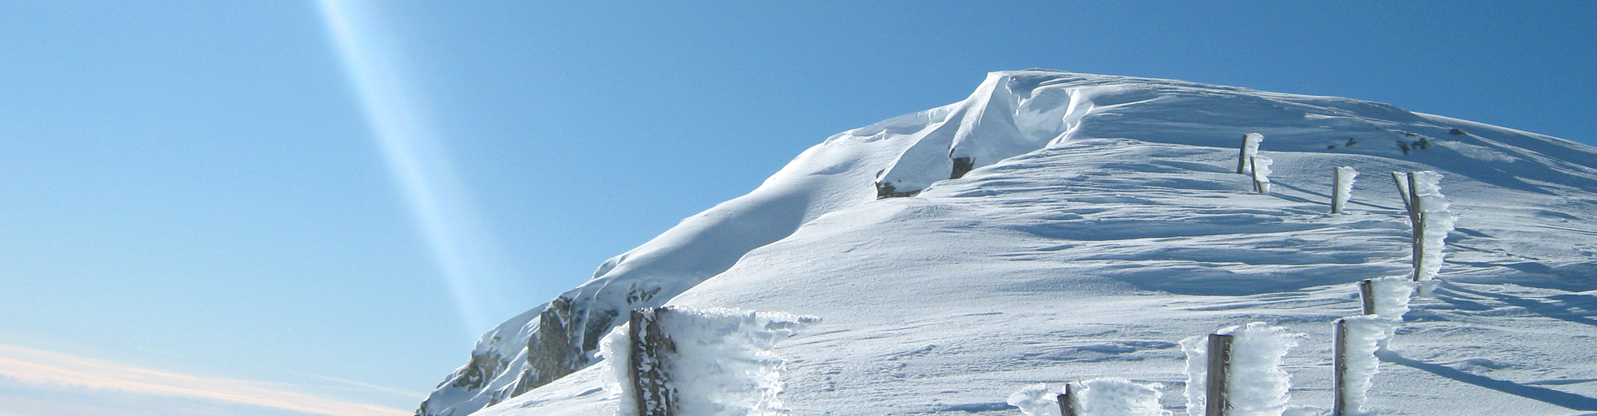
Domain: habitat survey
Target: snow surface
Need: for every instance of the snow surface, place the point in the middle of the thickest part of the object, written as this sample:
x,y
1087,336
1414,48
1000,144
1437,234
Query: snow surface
x,y
1104,222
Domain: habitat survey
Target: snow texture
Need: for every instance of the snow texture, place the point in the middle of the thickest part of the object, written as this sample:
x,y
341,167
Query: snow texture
x,y
1438,222
723,364
1364,337
1118,397
1344,180
1255,383
1036,400
1119,228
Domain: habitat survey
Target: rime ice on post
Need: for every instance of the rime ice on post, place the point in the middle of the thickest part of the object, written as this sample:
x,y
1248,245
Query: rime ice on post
x,y
1261,174
1035,400
1357,339
1118,397
1250,147
719,362
1342,187
1096,397
1391,297
1436,220
1255,385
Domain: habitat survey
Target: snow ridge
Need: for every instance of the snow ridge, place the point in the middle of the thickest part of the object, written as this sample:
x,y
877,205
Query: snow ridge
x,y
1121,184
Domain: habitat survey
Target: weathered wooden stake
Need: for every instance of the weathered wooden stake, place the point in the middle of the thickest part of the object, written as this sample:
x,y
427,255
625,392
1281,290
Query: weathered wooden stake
x,y
1242,159
1336,190
1416,213
1219,362
1339,362
1367,295
1067,401
651,347
1402,190
1253,164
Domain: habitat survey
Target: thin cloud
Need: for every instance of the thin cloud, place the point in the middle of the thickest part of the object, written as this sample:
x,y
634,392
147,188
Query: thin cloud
x,y
50,368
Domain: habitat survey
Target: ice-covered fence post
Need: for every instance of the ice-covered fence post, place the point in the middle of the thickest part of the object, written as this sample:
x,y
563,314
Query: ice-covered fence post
x,y
1401,180
1367,296
1250,147
1067,401
698,362
1237,371
651,384
1261,173
1219,361
1341,187
1339,363
1357,339
1416,213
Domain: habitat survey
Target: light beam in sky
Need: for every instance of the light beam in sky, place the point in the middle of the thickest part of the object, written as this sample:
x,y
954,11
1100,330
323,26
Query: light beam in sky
x,y
421,169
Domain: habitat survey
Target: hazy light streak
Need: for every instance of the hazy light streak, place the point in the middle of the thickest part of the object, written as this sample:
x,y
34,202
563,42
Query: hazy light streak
x,y
418,163
49,368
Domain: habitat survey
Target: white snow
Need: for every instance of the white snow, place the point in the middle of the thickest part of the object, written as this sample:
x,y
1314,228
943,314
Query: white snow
x,y
1111,396
1124,230
1036,400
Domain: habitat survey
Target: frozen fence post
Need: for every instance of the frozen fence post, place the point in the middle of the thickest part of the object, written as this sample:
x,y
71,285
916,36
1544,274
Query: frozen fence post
x,y
1067,401
1250,147
713,362
1219,361
1357,339
1367,296
1341,187
1261,173
1339,363
1237,371
1430,219
1402,190
649,352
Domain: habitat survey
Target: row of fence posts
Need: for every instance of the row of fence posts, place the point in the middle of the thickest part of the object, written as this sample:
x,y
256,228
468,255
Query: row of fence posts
x,y
650,346
1248,162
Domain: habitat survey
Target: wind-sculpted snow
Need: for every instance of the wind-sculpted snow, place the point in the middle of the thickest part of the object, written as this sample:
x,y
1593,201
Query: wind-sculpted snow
x,y
1101,220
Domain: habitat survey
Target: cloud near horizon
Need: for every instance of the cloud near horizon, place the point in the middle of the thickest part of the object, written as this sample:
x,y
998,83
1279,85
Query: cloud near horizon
x,y
43,369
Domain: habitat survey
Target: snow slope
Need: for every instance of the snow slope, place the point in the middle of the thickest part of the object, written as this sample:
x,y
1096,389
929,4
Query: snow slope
x,y
1103,222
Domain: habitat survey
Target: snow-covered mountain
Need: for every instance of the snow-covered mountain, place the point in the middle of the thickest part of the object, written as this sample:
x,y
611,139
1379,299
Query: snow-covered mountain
x,y
1092,222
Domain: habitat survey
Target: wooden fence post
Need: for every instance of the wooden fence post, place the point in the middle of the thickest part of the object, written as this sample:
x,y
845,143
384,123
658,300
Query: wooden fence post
x,y
651,381
1242,158
1219,362
1339,362
1416,214
1367,295
1337,194
1067,401
1402,190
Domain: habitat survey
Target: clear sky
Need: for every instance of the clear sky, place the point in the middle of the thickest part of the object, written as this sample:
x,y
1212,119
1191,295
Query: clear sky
x,y
326,201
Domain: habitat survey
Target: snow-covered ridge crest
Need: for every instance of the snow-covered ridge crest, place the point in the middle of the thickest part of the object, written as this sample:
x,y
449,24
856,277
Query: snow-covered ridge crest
x,y
1011,115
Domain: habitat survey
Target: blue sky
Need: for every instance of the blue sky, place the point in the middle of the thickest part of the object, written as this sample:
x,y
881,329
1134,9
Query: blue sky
x,y
207,189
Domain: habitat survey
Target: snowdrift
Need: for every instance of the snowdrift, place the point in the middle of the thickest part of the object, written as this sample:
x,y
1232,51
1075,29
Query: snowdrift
x,y
1058,227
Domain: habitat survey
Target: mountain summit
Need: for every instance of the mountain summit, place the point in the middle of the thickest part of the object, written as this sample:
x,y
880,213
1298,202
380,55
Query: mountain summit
x,y
1057,226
